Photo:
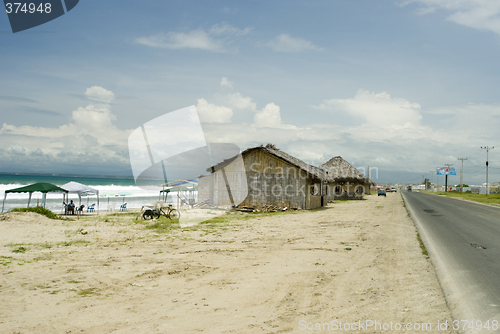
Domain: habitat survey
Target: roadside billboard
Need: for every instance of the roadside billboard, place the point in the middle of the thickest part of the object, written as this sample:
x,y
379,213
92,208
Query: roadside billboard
x,y
446,171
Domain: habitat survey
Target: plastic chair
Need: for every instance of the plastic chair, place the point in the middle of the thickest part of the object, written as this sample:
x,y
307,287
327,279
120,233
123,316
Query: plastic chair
x,y
111,207
123,207
80,208
91,207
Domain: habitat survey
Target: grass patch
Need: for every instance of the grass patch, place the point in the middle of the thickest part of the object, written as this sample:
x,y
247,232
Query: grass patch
x,y
39,210
75,282
422,246
20,249
74,242
379,206
231,216
123,214
42,258
5,260
88,292
489,199
163,224
42,286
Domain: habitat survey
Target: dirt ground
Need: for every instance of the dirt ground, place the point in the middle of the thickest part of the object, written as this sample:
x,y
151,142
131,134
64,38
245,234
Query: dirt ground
x,y
351,262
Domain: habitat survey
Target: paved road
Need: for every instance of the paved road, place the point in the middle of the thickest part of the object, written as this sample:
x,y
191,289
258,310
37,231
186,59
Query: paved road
x,y
463,240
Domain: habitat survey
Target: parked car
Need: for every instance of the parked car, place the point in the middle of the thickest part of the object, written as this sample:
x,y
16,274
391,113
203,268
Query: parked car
x,y
394,190
382,192
387,190
409,188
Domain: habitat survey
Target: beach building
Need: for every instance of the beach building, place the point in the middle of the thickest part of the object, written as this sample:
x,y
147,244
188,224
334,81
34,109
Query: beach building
x,y
262,176
345,181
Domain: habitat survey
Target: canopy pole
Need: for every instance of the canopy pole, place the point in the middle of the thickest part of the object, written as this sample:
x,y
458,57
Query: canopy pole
x,y
29,199
3,205
98,201
44,199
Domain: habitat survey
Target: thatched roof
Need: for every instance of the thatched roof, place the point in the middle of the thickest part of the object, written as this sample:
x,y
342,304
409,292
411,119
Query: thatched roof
x,y
273,150
341,170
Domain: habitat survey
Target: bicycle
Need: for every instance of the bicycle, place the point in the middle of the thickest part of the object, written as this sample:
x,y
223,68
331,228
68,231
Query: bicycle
x,y
148,212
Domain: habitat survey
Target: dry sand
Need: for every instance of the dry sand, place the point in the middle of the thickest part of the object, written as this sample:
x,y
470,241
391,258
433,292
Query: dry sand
x,y
351,261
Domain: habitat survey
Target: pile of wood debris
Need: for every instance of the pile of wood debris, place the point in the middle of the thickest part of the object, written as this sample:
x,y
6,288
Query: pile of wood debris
x,y
264,208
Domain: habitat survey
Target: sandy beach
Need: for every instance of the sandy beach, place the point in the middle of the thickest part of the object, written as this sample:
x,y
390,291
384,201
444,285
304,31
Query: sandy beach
x,y
351,262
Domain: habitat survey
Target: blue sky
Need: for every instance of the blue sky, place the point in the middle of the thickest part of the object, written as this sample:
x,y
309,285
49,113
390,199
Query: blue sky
x,y
404,86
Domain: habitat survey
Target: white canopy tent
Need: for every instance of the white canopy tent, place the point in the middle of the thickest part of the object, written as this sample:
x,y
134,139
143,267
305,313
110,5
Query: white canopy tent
x,y
81,190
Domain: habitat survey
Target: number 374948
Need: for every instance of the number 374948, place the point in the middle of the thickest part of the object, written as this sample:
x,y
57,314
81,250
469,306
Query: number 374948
x,y
475,325
24,7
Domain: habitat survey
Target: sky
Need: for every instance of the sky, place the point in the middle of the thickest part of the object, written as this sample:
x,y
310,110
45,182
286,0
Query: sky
x,y
402,86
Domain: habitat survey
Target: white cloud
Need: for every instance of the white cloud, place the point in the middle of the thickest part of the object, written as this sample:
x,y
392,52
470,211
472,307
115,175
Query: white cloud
x,y
86,121
226,83
390,136
217,39
226,29
37,153
268,117
238,101
477,14
89,140
99,94
287,43
211,113
17,149
377,109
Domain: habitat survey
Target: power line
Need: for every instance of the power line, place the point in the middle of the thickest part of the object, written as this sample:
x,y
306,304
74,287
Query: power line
x,y
476,152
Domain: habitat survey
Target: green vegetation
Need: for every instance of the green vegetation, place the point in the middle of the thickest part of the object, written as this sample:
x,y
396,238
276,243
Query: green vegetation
x,y
162,224
123,214
75,242
39,210
20,249
45,257
88,292
5,260
422,246
490,199
230,216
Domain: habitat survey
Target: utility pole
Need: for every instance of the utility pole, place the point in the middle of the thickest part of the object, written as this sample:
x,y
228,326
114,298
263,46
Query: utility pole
x,y
462,175
437,182
446,178
487,148
430,179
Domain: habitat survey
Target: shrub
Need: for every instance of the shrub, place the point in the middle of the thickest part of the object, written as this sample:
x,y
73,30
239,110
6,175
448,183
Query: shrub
x,y
39,210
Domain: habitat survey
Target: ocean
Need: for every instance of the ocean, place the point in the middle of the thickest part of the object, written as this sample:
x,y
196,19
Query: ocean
x,y
136,199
